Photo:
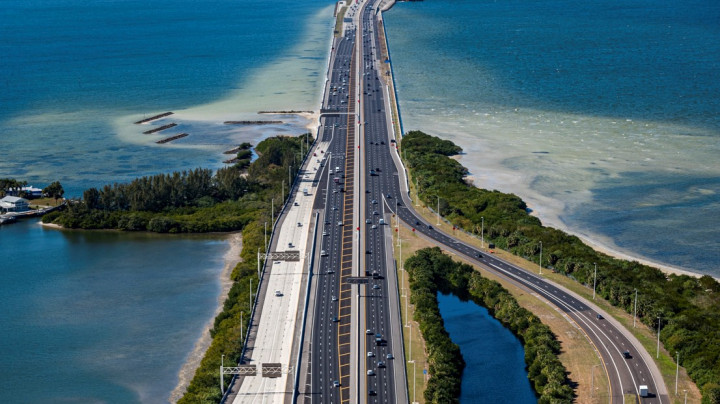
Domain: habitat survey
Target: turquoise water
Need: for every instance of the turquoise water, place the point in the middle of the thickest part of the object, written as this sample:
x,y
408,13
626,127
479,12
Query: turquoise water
x,y
603,116
77,74
101,317
495,359
111,317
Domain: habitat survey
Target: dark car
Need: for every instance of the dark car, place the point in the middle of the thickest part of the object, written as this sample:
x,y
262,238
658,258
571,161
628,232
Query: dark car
x,y
599,317
627,355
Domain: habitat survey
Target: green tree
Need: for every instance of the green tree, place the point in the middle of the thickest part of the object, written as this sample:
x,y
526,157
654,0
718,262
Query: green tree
x,y
54,190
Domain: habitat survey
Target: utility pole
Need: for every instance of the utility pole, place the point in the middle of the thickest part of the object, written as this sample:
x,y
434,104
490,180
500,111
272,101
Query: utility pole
x,y
266,246
258,262
272,211
251,294
594,280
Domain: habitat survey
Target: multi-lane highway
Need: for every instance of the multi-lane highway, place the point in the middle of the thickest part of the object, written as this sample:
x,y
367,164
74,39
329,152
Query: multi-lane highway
x,y
361,183
387,186
328,370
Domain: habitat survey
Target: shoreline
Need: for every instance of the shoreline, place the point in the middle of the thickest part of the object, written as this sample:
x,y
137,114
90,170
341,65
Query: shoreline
x,y
553,219
192,362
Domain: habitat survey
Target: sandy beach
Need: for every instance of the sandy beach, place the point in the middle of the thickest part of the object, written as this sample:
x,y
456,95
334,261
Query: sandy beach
x,y
232,258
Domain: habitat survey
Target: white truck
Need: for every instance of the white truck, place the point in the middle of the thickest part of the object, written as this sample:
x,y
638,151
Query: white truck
x,y
643,390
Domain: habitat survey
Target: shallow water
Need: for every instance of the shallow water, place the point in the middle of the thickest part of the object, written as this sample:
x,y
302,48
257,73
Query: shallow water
x,y
602,116
76,75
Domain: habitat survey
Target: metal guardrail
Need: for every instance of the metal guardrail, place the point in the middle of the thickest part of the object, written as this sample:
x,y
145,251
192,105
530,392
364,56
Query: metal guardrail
x,y
307,302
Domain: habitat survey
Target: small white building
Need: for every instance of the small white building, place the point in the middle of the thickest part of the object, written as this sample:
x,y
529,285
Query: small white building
x,y
14,204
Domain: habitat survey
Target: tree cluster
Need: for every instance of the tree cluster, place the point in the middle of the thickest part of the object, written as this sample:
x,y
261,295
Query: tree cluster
x,y
688,306
430,271
7,183
191,201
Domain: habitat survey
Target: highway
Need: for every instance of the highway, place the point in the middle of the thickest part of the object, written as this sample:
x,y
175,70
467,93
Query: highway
x,y
361,165
385,376
328,370
387,186
343,358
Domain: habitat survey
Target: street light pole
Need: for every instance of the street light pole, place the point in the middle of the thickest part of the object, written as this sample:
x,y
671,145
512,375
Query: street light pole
x,y
677,371
413,362
657,355
438,212
222,384
592,380
482,232
594,280
635,315
685,391
540,262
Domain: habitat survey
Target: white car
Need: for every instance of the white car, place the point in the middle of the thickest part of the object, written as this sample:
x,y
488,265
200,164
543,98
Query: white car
x,y
371,354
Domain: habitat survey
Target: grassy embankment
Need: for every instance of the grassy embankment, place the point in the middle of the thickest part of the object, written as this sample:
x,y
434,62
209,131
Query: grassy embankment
x,y
464,205
198,201
578,355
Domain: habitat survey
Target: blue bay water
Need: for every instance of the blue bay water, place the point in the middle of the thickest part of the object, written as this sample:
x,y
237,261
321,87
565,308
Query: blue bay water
x,y
603,116
96,316
76,74
495,359
111,317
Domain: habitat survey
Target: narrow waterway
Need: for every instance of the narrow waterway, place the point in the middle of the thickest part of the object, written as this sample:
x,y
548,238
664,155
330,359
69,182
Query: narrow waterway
x,y
495,371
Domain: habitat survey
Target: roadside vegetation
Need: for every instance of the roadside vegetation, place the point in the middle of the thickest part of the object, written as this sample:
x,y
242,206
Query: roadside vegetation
x,y
688,307
430,271
198,201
